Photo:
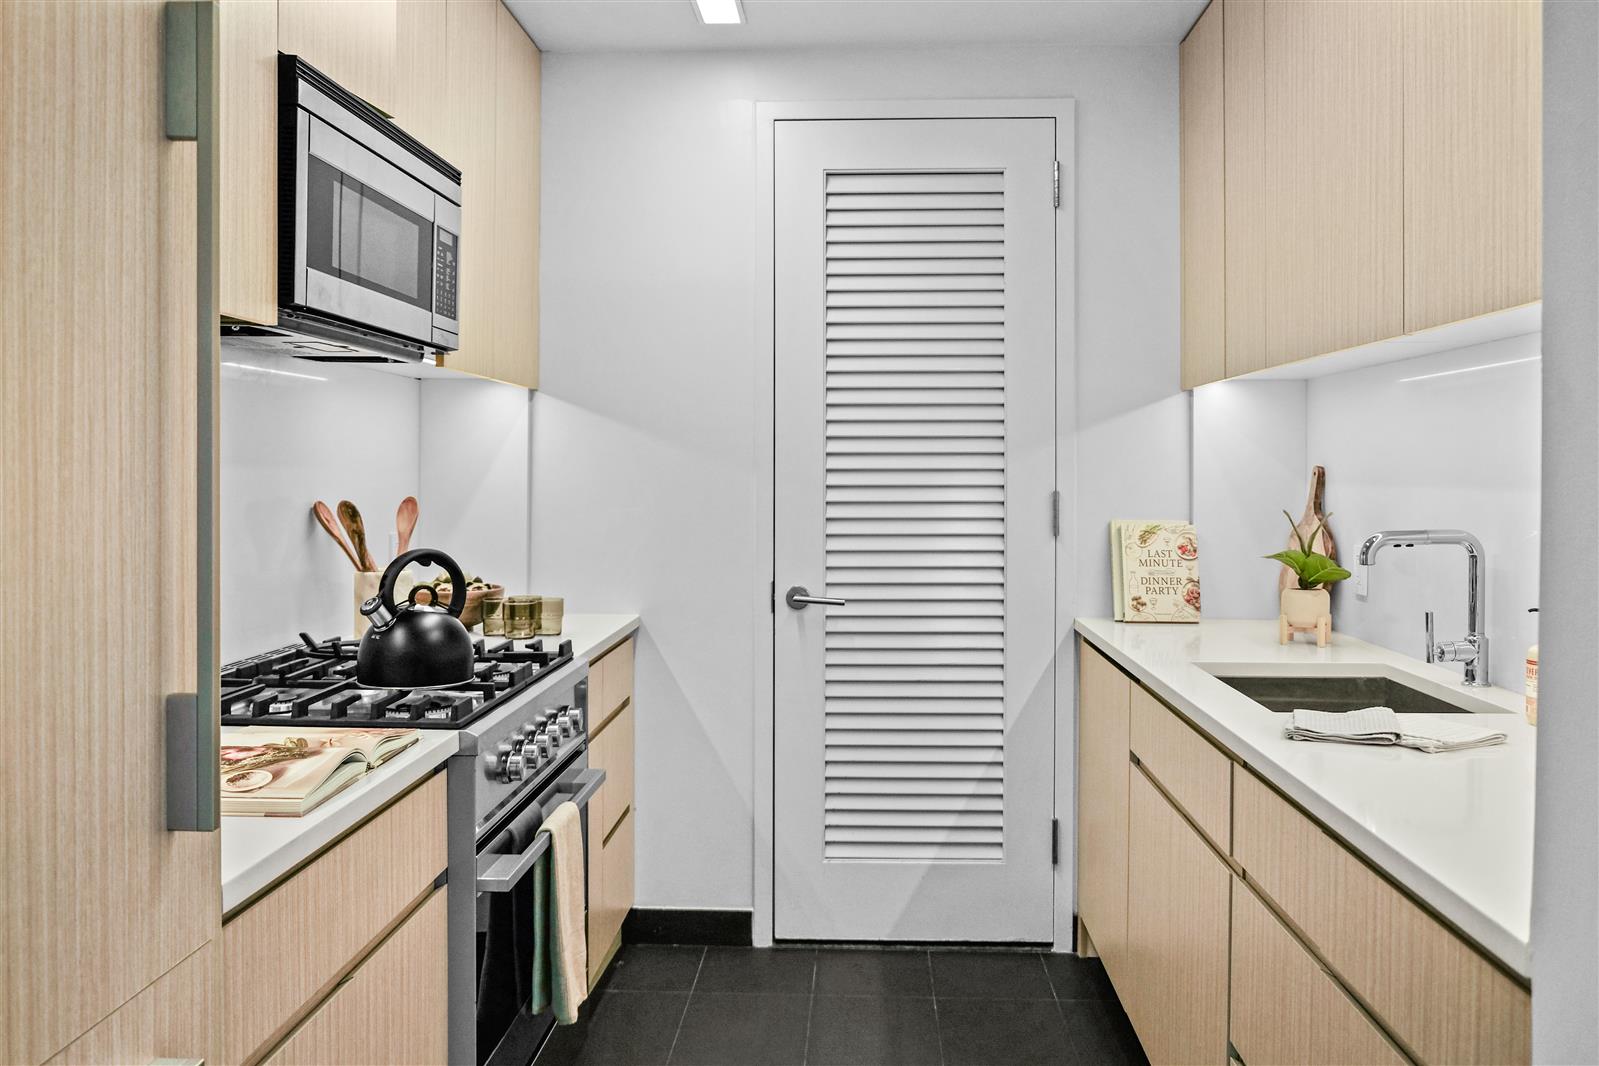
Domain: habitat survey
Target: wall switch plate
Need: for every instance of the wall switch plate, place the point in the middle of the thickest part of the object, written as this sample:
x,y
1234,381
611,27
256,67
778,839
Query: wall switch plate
x,y
1362,581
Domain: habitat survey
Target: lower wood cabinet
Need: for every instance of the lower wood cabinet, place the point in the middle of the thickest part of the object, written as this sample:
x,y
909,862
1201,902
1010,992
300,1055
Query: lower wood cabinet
x,y
1103,697
393,1008
1178,911
1285,1006
611,813
172,1018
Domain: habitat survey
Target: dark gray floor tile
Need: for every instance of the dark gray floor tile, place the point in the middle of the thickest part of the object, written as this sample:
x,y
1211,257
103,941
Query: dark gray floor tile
x,y
873,973
721,1029
1101,1033
1003,1032
1076,977
757,970
618,1029
653,968
873,1031
991,974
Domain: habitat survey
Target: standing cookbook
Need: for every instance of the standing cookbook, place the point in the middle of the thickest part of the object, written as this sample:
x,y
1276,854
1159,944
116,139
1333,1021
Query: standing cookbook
x,y
288,772
1154,571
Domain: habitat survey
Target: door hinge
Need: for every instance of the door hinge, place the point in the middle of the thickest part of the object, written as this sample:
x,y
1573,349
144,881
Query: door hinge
x,y
1054,514
1054,841
1057,183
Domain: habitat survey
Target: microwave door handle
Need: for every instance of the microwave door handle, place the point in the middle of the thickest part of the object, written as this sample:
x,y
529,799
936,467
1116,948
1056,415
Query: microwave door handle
x,y
504,871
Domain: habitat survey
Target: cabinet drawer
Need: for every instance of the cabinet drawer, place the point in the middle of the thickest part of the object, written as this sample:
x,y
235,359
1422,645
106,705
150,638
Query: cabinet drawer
x,y
1444,1001
610,683
612,751
610,891
1285,1007
1103,695
280,954
1188,767
392,1009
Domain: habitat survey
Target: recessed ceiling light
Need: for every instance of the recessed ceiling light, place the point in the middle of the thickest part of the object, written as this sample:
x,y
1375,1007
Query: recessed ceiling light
x,y
719,12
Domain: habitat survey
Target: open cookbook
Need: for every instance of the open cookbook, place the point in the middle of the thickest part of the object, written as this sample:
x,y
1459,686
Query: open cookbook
x,y
288,772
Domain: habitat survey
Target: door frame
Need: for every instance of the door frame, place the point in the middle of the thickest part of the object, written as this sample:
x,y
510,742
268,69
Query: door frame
x,y
762,579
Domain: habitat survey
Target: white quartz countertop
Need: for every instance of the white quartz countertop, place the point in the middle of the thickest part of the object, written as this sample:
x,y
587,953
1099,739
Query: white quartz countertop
x,y
257,851
592,634
1454,828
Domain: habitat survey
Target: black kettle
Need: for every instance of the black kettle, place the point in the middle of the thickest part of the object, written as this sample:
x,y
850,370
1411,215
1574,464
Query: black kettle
x,y
415,645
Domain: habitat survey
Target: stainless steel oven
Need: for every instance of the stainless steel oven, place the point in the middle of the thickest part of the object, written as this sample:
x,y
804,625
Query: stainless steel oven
x,y
514,767
369,228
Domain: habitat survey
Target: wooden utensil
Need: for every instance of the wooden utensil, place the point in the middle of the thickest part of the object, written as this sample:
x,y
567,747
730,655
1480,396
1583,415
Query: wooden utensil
x,y
405,522
350,517
324,517
1315,514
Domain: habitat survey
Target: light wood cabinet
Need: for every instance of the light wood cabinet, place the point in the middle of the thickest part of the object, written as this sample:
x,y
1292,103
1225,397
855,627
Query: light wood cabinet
x,y
1285,1007
105,911
247,237
1104,698
1473,157
392,1009
1203,250
1191,769
516,204
354,42
1353,172
1178,916
1437,995
350,894
611,811
421,100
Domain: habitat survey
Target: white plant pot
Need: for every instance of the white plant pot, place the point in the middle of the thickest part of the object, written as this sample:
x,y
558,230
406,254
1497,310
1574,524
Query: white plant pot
x,y
1305,607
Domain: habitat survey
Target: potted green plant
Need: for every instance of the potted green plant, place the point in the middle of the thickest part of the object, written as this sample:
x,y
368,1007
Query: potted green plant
x,y
1309,606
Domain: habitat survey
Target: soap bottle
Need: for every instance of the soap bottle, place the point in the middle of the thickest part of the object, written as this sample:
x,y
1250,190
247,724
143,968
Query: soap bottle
x,y
1532,680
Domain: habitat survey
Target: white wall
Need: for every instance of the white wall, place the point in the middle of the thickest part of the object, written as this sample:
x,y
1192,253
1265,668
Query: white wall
x,y
295,431
1444,441
644,424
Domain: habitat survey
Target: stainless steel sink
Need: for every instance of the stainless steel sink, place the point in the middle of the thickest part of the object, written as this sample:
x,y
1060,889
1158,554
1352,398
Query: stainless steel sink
x,y
1283,694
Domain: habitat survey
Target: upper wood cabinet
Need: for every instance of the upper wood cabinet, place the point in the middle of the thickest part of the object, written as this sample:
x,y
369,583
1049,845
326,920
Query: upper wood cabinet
x,y
421,104
1379,174
1473,158
248,209
354,42
516,204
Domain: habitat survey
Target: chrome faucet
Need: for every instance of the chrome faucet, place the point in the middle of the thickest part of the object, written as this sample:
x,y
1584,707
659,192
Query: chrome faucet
x,y
1473,650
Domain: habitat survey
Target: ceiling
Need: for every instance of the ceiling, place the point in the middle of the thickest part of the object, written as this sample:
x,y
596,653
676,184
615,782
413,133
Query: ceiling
x,y
671,25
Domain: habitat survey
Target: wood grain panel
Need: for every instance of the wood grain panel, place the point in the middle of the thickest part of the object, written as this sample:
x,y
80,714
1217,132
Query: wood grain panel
x,y
1334,176
1285,1007
610,682
1190,768
612,751
471,48
175,1017
248,222
350,895
97,431
516,204
617,858
1473,157
421,96
1204,322
1178,915
1104,697
392,1009
354,42
1244,74
1437,995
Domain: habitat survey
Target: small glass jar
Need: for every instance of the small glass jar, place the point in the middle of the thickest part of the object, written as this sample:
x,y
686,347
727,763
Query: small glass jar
x,y
494,613
521,617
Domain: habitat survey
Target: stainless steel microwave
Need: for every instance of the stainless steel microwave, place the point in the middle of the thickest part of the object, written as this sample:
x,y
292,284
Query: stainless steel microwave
x,y
369,229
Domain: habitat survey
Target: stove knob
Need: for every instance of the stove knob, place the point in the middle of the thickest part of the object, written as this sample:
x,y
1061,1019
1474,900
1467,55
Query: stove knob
x,y
498,764
565,722
546,746
516,765
577,719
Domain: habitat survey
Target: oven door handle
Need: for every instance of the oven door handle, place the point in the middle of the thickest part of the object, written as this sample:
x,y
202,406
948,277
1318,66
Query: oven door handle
x,y
506,870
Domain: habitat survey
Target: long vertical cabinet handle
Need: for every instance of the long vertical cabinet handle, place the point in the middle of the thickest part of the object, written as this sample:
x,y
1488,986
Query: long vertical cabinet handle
x,y
190,113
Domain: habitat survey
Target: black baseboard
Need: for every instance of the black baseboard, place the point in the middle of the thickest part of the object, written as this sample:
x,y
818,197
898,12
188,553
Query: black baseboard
x,y
664,925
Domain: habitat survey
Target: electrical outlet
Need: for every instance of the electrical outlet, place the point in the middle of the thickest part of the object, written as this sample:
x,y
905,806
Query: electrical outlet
x,y
1362,581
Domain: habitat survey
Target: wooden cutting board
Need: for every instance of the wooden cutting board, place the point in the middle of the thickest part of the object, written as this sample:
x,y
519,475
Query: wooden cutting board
x,y
1315,514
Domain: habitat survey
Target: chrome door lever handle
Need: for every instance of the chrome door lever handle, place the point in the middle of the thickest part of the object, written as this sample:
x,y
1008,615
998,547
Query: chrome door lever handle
x,y
799,597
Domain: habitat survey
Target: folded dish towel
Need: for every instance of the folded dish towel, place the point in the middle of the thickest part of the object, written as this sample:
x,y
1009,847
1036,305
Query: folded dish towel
x,y
1380,725
560,968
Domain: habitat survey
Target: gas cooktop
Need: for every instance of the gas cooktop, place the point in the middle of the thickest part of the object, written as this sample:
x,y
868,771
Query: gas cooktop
x,y
313,684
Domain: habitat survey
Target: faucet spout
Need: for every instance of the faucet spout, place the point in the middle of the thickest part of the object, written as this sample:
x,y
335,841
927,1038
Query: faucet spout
x,y
1473,650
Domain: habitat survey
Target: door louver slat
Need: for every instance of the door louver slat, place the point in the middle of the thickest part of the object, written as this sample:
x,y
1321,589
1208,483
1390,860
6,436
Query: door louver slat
x,y
914,516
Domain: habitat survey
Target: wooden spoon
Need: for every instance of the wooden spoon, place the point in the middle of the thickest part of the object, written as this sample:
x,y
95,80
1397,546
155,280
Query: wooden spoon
x,y
324,517
351,519
405,522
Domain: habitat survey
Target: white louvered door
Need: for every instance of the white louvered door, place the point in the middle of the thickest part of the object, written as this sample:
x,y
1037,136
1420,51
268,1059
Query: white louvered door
x,y
914,460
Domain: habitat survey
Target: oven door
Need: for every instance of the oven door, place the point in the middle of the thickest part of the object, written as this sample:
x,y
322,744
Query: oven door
x,y
365,232
508,1032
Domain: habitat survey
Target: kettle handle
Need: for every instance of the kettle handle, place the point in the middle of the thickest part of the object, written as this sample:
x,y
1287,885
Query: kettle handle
x,y
425,557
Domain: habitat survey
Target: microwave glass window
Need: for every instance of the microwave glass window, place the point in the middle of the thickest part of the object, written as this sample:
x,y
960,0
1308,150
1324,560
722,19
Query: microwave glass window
x,y
356,233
